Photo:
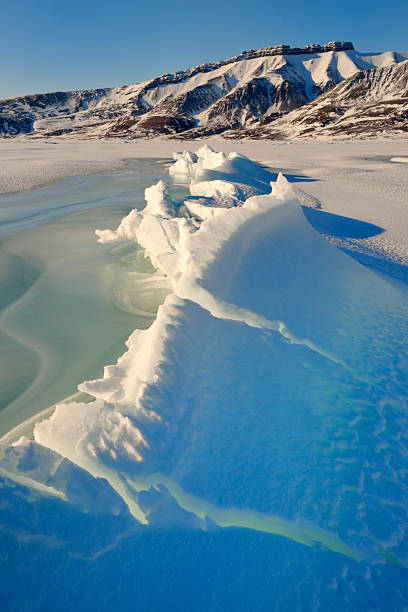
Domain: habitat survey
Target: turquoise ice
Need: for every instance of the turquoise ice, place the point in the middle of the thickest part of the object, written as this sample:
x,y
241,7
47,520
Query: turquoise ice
x,y
258,426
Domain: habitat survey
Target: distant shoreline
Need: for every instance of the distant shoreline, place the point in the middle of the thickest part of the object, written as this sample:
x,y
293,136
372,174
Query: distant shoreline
x,y
32,164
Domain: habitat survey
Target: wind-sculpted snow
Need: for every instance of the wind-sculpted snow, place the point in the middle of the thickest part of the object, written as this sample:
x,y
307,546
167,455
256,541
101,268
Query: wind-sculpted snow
x,y
268,395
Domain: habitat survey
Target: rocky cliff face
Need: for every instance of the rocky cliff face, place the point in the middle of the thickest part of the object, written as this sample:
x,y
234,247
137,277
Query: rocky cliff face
x,y
18,115
368,104
254,94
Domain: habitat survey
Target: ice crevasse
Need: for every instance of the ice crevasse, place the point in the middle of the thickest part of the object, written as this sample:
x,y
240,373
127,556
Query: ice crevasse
x,y
269,393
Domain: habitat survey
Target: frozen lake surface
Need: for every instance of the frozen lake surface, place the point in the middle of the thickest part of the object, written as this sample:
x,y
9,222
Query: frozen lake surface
x,y
67,303
249,449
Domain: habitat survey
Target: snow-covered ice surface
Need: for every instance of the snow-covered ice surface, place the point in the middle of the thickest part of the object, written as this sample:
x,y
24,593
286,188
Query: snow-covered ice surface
x,y
401,160
249,450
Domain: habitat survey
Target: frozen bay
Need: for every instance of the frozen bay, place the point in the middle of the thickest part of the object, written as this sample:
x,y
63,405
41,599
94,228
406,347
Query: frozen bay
x,y
248,451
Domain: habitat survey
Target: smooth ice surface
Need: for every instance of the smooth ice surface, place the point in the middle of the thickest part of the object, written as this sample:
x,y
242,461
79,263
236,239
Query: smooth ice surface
x,y
59,288
250,446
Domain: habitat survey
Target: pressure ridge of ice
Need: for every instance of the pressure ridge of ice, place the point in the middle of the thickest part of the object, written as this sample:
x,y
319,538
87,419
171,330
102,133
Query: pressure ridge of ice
x,y
269,393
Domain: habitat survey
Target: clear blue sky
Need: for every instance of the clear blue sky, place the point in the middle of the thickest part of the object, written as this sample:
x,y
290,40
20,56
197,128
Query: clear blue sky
x,y
54,45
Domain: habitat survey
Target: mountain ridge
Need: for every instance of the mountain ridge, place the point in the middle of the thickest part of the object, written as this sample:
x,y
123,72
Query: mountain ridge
x,y
240,96
367,104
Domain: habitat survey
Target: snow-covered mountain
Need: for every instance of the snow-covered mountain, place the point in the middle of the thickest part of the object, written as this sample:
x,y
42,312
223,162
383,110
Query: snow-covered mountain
x,y
248,94
370,103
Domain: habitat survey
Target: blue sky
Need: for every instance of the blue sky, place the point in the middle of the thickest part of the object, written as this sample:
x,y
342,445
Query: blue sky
x,y
49,46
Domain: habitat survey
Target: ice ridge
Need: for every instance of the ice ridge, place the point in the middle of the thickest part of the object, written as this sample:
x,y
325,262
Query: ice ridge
x,y
249,399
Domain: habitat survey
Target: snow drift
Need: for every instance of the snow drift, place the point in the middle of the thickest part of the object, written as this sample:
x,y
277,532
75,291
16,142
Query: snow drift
x,y
269,392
